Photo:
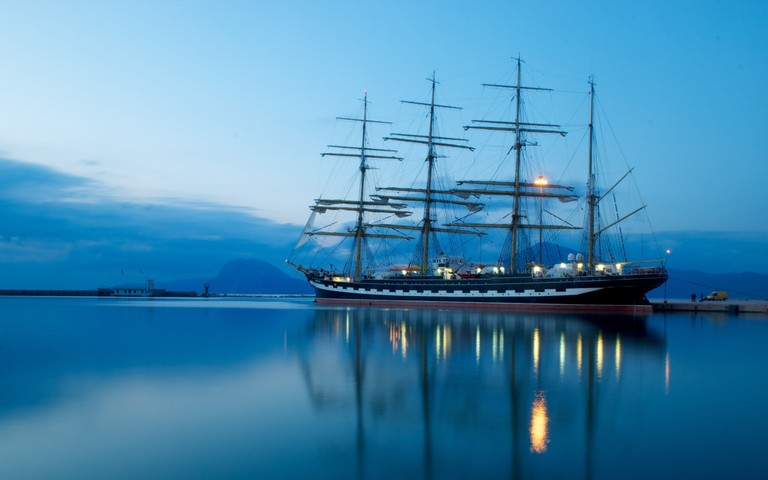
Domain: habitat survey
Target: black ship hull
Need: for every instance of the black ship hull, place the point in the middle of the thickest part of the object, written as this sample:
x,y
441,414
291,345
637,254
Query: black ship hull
x,y
594,293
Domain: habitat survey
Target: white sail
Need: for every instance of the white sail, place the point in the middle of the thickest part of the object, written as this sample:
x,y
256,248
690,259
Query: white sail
x,y
305,236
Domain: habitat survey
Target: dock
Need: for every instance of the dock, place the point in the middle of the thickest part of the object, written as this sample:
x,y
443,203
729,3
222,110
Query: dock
x,y
101,292
727,306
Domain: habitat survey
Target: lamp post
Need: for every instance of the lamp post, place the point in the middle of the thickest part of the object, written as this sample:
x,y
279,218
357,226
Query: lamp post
x,y
666,261
541,182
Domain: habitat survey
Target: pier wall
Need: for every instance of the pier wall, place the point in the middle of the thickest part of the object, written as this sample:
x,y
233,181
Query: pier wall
x,y
729,306
102,292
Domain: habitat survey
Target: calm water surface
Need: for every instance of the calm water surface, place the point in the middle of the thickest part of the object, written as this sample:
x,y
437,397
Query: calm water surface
x,y
253,388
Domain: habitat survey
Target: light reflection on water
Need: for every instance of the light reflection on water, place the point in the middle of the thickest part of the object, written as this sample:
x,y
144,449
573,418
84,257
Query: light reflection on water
x,y
282,388
539,421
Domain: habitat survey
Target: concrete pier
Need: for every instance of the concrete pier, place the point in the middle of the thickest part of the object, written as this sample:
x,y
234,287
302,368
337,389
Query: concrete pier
x,y
728,306
101,292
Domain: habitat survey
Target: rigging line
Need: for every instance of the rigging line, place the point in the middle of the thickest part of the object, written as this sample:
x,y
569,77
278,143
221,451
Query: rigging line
x,y
574,92
554,75
500,103
504,160
604,117
577,110
472,165
653,232
328,256
558,218
476,71
576,150
573,156
632,176
610,127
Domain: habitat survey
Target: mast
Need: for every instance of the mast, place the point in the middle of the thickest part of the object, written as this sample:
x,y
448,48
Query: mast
x,y
361,206
594,230
428,193
518,150
431,141
363,168
591,197
519,128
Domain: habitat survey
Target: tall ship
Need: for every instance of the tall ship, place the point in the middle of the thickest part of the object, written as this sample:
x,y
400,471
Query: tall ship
x,y
423,244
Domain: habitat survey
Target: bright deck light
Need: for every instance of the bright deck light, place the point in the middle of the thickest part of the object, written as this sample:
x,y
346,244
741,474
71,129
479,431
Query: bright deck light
x,y
541,181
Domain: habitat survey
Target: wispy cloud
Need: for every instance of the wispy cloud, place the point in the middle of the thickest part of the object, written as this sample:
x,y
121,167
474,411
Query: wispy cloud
x,y
17,250
64,231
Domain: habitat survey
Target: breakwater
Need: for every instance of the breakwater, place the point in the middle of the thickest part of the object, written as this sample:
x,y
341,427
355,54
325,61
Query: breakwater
x,y
728,306
101,292
49,293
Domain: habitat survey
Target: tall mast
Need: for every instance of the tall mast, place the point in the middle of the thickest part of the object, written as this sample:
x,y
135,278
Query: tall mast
x,y
519,128
591,197
361,206
363,168
431,141
428,194
518,150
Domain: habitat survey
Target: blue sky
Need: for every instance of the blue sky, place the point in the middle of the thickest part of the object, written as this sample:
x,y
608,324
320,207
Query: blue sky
x,y
175,105
60,232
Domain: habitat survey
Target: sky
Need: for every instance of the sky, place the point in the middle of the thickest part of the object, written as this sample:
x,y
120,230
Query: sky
x,y
225,106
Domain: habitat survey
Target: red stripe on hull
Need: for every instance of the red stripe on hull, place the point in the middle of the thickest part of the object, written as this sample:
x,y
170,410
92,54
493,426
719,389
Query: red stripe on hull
x,y
520,307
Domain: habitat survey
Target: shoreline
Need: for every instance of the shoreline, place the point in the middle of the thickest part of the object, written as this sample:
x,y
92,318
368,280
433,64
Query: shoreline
x,y
727,306
659,305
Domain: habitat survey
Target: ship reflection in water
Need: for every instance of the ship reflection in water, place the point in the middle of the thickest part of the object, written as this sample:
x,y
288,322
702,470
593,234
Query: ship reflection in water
x,y
481,394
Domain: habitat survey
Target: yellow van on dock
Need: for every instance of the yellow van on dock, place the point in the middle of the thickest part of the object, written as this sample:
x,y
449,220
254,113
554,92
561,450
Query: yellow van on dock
x,y
716,296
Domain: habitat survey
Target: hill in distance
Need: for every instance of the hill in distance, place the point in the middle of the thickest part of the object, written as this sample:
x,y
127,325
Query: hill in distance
x,y
244,276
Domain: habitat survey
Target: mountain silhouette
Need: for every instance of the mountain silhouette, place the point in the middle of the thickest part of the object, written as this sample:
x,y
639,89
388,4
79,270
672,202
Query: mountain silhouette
x,y
244,276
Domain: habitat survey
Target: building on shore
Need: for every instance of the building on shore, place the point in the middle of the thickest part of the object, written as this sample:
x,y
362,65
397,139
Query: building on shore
x,y
137,290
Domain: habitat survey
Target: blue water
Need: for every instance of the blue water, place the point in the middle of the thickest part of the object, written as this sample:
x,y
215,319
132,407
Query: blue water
x,y
273,388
